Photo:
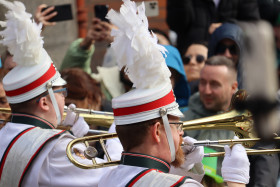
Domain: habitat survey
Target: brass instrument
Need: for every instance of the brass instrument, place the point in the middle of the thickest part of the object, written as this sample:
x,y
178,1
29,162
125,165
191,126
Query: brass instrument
x,y
238,121
98,118
90,153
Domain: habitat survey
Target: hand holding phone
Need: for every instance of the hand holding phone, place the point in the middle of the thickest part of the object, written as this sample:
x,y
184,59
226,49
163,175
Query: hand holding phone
x,y
44,16
63,13
100,30
101,12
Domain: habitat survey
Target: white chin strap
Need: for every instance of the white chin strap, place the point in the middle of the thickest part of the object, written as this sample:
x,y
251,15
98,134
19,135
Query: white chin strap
x,y
55,105
163,114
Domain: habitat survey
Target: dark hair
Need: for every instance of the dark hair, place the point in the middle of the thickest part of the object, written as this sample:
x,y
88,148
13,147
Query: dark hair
x,y
81,85
132,135
204,43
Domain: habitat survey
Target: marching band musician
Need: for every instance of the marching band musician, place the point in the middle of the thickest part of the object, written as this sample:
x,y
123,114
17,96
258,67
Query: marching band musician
x,y
147,117
32,151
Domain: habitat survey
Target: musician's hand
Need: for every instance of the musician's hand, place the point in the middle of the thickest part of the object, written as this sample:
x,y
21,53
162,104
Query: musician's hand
x,y
71,117
193,154
79,126
235,167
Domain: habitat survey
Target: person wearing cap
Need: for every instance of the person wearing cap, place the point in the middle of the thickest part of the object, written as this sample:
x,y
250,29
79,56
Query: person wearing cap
x,y
32,150
147,117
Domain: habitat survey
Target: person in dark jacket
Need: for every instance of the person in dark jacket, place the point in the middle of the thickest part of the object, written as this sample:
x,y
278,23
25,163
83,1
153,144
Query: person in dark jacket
x,y
227,41
192,19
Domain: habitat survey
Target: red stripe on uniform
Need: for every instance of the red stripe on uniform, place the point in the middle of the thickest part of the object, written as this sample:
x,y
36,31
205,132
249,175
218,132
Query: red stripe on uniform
x,y
146,156
35,154
49,74
9,148
139,177
167,99
180,180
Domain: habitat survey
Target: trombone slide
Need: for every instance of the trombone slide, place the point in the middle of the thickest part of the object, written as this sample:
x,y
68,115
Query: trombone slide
x,y
229,141
249,152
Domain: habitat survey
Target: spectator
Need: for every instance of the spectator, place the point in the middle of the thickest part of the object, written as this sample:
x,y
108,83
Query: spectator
x,y
80,53
83,90
195,20
178,77
216,86
194,60
81,50
227,41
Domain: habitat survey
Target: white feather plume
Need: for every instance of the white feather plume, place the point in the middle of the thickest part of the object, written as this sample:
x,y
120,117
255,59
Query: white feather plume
x,y
21,35
136,48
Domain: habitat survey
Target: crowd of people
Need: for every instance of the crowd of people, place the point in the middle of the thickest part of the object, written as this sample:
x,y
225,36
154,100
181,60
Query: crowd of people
x,y
150,86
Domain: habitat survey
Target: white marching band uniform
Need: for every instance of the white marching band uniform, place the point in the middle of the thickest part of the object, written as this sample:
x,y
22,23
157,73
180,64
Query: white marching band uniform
x,y
144,170
44,163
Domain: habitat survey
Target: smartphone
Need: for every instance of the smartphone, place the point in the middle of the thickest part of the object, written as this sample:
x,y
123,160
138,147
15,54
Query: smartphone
x,y
101,12
64,12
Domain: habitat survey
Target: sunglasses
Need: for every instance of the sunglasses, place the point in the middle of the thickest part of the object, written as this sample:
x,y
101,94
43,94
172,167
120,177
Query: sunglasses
x,y
179,125
187,59
63,91
222,48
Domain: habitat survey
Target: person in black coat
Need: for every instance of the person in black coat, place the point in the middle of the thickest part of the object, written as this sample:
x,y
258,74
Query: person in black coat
x,y
193,19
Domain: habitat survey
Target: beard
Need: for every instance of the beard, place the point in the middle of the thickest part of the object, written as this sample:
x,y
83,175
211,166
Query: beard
x,y
180,156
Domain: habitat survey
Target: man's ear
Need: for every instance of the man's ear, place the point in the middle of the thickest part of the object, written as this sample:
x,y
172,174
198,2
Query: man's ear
x,y
43,104
156,132
234,86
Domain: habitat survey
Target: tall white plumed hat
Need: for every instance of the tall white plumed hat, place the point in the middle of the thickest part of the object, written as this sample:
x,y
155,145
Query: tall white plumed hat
x,y
137,50
35,72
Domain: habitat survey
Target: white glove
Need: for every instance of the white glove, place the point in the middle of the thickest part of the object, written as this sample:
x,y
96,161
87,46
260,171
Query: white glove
x,y
71,117
235,166
79,125
193,154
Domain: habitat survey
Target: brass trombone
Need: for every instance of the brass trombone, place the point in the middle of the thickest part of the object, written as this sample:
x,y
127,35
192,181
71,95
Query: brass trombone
x,y
239,121
90,152
98,118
